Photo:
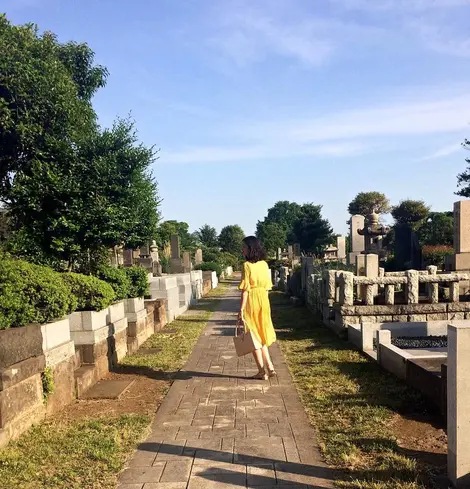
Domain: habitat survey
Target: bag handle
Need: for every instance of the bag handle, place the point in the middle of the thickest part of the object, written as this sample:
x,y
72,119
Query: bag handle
x,y
240,323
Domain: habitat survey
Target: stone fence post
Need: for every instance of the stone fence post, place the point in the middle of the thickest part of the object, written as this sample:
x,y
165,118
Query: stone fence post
x,y
412,286
458,401
346,281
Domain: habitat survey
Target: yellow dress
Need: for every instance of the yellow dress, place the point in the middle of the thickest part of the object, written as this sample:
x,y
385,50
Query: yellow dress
x,y
257,282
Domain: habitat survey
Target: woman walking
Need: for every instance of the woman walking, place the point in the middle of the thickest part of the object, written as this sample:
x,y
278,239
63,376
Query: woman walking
x,y
255,309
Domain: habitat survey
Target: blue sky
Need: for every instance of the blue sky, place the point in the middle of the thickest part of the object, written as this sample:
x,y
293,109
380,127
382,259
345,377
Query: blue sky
x,y
257,101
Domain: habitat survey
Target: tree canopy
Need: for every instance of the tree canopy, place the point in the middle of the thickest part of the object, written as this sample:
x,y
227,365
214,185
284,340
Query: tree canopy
x,y
311,230
169,228
410,212
438,229
207,236
230,239
70,187
367,202
289,222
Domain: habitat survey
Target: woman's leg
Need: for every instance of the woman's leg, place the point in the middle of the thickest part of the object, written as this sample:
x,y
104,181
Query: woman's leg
x,y
267,358
258,356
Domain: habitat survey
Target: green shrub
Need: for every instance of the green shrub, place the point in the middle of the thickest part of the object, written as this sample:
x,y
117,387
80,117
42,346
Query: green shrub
x,y
31,294
138,277
210,267
229,260
435,255
92,293
118,279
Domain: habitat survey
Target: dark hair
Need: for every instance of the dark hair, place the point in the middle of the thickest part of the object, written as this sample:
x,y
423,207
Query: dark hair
x,y
255,250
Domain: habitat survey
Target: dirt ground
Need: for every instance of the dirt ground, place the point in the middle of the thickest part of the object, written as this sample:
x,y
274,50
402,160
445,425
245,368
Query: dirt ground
x,y
423,437
143,397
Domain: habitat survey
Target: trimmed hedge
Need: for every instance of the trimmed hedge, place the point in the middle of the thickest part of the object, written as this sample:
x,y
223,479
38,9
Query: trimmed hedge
x,y
138,277
118,279
32,294
210,267
92,293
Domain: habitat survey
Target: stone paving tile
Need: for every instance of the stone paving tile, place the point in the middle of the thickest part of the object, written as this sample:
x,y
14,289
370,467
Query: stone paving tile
x,y
219,429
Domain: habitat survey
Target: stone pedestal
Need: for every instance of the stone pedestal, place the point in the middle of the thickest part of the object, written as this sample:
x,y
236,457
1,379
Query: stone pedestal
x,y
458,400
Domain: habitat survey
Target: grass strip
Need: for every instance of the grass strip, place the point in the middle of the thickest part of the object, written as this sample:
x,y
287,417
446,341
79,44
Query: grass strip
x,y
350,401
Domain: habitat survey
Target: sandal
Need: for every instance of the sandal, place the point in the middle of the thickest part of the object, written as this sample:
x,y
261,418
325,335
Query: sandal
x,y
272,373
260,376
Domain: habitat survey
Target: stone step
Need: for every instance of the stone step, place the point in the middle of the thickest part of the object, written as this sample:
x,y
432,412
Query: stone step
x,y
85,377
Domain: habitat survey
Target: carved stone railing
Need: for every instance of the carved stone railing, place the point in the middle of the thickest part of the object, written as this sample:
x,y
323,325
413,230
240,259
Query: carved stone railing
x,y
336,289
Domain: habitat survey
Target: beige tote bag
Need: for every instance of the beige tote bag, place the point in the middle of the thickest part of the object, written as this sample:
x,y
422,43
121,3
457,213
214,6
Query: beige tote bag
x,y
245,342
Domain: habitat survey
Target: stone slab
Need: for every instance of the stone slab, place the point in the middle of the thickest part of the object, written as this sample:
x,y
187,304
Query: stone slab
x,y
18,344
108,389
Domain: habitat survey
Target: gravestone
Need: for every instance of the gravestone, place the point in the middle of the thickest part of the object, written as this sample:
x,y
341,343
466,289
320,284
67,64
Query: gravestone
x,y
145,250
357,241
290,252
175,247
341,246
297,250
279,254
187,261
176,264
407,251
198,258
128,257
461,258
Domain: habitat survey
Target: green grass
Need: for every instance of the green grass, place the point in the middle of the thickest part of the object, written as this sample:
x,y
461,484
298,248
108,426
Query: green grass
x,y
89,454
80,455
350,401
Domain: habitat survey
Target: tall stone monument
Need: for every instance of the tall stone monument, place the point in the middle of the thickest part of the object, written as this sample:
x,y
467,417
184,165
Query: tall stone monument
x,y
176,264
341,246
461,258
187,262
198,258
357,241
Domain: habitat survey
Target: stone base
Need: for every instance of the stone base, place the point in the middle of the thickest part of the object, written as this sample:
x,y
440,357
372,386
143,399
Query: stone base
x,y
64,386
138,333
105,354
21,406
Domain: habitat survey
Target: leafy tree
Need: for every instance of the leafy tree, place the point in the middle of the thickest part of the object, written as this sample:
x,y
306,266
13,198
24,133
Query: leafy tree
x,y
104,196
207,236
311,230
169,228
437,230
275,231
230,239
45,100
272,236
367,202
463,179
410,212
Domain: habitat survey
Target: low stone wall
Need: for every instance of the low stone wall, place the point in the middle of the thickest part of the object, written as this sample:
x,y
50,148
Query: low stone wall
x,y
344,299
22,361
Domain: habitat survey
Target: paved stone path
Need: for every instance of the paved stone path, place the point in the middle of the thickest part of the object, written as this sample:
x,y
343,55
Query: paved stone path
x,y
216,428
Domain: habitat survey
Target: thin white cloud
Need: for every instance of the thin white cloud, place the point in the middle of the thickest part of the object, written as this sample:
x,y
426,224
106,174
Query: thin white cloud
x,y
443,152
252,35
224,154
380,128
405,119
